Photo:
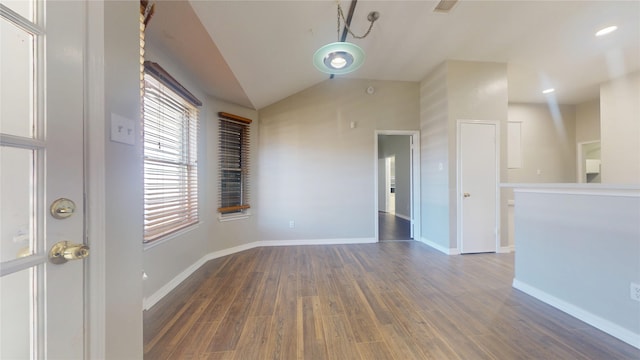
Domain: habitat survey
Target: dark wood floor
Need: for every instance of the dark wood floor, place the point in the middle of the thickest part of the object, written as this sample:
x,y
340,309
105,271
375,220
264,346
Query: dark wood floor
x,y
391,227
391,300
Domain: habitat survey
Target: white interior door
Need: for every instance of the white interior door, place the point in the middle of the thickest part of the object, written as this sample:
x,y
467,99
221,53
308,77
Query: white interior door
x,y
41,160
478,182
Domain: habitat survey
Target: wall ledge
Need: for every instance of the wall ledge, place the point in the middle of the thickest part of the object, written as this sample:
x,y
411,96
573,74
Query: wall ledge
x,y
148,302
624,190
607,326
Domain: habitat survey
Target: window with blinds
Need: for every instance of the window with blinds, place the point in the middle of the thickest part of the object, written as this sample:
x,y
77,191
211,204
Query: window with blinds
x,y
170,125
233,194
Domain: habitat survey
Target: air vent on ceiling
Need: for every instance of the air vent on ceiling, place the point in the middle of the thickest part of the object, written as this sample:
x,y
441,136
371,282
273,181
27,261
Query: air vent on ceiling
x,y
444,6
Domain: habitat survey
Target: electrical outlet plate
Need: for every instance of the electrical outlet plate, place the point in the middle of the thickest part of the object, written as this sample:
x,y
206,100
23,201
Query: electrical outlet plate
x,y
635,291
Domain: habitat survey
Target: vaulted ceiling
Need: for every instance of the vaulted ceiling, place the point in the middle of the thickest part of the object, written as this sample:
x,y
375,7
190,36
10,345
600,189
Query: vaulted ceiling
x,y
255,53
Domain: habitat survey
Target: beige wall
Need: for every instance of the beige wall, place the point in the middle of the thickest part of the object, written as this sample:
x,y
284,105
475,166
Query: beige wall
x,y
123,185
548,143
477,91
188,247
434,158
620,130
588,121
457,90
315,169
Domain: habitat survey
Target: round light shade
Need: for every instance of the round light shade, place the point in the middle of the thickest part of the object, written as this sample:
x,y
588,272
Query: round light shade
x,y
338,58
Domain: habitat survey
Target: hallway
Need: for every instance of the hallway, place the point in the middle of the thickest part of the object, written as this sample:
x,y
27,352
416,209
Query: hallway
x,y
392,227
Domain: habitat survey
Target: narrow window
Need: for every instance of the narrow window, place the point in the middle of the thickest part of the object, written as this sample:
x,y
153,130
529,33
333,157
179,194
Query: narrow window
x,y
233,193
170,132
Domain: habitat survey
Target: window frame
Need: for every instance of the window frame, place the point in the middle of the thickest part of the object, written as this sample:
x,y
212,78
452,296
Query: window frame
x,y
240,209
174,164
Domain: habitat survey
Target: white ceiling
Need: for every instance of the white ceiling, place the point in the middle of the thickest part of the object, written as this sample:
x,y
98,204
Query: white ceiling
x,y
255,53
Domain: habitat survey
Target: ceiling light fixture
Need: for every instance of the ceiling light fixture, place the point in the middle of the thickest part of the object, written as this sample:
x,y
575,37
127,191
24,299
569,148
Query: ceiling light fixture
x,y
342,57
548,91
607,30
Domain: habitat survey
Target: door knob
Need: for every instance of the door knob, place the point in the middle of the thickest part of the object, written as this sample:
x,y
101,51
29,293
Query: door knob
x,y
64,251
466,195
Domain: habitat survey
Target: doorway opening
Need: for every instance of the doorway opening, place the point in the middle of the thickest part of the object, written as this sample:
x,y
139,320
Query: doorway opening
x,y
589,163
397,185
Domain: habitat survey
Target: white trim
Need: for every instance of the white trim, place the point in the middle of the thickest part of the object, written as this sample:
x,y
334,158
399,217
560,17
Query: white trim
x,y
233,217
589,192
95,267
607,326
405,217
506,249
496,125
415,217
19,264
541,187
317,242
580,174
148,302
442,249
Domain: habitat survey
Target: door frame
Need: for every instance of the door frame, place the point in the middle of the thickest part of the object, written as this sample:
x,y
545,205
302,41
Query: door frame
x,y
580,170
415,181
459,194
94,177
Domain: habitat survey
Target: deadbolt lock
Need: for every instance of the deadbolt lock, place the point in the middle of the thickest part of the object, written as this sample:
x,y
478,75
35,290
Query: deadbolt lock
x,y
64,251
62,208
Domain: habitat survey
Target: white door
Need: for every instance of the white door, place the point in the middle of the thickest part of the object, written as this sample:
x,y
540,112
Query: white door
x,y
477,186
41,160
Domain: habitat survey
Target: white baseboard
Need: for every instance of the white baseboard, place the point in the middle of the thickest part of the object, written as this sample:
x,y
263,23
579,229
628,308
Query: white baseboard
x,y
448,251
607,326
316,242
506,249
148,302
405,217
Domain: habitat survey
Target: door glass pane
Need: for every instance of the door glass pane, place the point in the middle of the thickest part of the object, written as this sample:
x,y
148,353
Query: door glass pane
x,y
16,312
22,7
16,196
17,85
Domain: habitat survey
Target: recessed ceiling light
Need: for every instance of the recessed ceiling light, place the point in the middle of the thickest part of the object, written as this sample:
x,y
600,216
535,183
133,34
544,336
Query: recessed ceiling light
x,y
548,91
607,30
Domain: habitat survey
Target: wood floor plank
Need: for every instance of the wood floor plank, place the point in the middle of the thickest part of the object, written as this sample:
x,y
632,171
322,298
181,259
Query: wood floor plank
x,y
231,326
374,351
390,300
194,343
282,342
253,340
311,342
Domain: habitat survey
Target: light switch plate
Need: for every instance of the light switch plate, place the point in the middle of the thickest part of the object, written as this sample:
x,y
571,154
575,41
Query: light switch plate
x,y
123,130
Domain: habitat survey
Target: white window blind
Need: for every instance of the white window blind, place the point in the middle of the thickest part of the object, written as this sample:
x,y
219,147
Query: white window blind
x,y
233,193
170,156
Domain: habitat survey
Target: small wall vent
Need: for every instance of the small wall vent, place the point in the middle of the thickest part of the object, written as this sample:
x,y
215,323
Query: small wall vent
x,y
444,6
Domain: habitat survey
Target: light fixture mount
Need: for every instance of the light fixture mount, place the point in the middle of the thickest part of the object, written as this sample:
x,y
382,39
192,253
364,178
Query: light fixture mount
x,y
338,58
342,57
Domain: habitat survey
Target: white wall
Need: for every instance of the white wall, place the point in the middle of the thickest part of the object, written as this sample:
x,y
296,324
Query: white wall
x,y
548,143
398,146
123,185
315,169
578,250
620,130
